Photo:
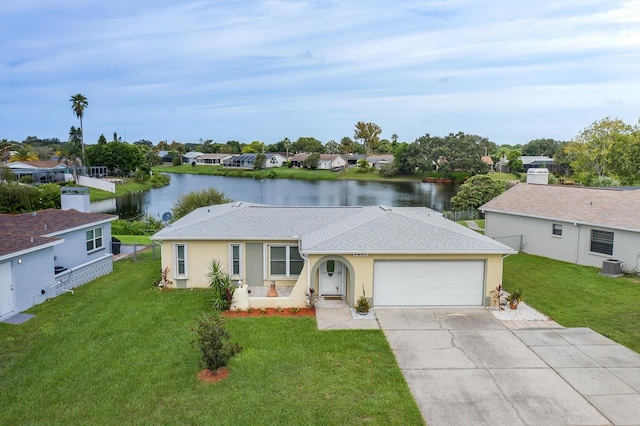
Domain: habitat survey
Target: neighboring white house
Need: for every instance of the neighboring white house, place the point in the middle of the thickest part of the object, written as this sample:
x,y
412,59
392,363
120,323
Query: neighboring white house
x,y
379,161
247,161
48,252
214,159
575,224
326,161
41,171
191,157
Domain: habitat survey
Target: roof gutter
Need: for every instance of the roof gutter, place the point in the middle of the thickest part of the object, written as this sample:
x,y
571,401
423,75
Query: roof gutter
x,y
559,219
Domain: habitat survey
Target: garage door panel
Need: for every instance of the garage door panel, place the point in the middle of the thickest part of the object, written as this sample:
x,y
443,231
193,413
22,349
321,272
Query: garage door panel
x,y
429,283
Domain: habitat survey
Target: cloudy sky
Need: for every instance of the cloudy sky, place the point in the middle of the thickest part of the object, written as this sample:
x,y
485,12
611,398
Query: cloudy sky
x,y
508,70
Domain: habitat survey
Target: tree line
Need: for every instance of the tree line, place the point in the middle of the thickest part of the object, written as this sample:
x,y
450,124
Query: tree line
x,y
607,150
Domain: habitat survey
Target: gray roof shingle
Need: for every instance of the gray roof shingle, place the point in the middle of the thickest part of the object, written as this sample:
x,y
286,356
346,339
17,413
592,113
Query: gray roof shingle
x,y
610,208
373,229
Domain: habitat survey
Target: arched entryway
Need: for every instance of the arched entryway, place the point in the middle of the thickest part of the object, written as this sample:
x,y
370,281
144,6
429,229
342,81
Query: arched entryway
x,y
334,278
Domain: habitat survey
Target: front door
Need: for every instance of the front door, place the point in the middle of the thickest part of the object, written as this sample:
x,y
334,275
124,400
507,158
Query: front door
x,y
332,278
7,299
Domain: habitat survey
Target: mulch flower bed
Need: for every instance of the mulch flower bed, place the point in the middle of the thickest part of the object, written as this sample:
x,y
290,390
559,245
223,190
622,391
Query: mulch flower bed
x,y
271,312
209,376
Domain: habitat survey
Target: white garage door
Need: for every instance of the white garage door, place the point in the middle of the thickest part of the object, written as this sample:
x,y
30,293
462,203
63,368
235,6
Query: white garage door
x,y
428,283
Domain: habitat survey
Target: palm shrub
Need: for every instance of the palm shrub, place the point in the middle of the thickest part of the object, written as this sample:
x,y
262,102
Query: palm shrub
x,y
213,341
221,286
187,203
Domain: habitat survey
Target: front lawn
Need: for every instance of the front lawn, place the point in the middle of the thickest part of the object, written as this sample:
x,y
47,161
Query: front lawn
x,y
577,296
117,352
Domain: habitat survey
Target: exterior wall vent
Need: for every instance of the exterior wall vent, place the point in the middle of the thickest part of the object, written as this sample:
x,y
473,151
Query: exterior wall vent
x,y
611,268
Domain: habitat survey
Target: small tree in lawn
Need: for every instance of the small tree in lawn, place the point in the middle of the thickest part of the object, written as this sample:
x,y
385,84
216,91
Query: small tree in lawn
x,y
476,191
213,341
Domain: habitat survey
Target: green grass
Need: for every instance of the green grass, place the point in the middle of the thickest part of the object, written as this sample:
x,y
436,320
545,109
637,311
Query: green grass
x,y
129,186
504,176
130,239
480,223
284,173
118,352
577,296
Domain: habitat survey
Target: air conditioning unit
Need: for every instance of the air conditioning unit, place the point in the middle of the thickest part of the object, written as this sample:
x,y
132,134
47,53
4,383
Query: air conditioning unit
x,y
611,268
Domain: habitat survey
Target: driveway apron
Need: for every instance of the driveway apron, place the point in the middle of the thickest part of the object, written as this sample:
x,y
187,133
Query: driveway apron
x,y
464,367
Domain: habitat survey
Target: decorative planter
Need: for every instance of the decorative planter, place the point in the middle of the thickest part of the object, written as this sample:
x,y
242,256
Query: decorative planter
x,y
272,290
513,305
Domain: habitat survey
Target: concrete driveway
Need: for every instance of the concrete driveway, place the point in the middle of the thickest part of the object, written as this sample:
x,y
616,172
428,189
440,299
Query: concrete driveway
x,y
464,367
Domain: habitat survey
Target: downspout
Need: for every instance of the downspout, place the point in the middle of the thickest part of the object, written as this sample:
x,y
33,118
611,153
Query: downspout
x,y
307,262
577,243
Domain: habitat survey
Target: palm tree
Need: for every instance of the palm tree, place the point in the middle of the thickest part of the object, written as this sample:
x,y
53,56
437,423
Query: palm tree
x,y
69,153
78,104
24,153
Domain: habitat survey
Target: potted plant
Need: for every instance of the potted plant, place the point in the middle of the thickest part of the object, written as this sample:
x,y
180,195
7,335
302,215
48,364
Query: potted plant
x,y
514,298
363,305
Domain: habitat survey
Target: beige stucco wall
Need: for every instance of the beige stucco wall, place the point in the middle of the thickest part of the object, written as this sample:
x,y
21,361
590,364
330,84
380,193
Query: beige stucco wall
x,y
573,246
200,254
360,271
363,271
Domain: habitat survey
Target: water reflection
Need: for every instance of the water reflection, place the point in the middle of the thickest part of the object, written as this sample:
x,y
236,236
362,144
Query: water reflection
x,y
289,193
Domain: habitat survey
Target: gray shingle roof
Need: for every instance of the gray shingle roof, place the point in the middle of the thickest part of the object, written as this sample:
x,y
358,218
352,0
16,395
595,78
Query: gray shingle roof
x,y
373,229
611,208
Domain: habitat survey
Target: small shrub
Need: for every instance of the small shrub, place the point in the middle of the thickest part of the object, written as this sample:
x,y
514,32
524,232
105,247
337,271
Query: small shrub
x,y
213,341
177,160
28,180
363,305
312,298
294,310
278,309
221,285
388,170
263,311
249,310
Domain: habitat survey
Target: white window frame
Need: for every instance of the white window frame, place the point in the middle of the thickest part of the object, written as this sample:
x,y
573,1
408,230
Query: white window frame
x,y
94,239
556,230
176,265
287,248
231,260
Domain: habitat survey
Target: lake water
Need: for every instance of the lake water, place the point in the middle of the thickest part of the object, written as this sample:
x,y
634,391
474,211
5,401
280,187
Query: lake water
x,y
284,192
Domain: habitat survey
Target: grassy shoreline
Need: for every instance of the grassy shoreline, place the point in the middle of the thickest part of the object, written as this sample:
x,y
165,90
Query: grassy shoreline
x,y
129,186
287,173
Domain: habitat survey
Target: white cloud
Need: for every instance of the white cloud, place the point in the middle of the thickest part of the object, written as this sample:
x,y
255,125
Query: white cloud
x,y
295,65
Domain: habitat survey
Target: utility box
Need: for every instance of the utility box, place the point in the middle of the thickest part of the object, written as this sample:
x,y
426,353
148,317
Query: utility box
x,y
611,268
538,176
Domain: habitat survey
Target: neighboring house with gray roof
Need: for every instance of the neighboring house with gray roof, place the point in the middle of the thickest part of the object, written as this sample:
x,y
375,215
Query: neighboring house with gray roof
x,y
397,256
538,161
247,161
191,157
47,252
214,159
41,171
575,224
325,162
